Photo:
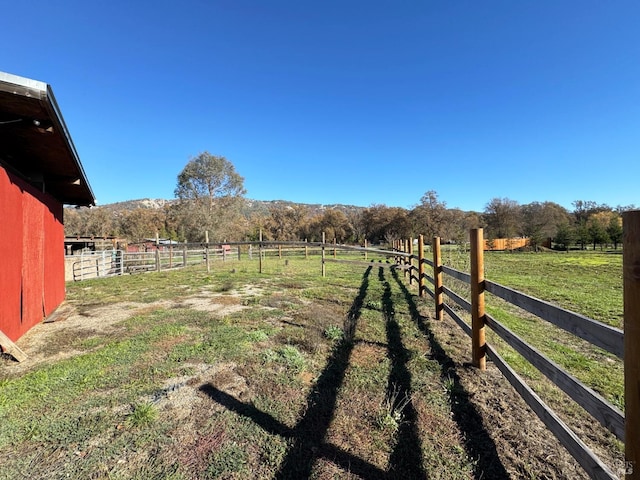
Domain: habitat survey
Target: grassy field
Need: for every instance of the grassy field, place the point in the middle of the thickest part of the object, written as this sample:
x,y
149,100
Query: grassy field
x,y
588,282
286,374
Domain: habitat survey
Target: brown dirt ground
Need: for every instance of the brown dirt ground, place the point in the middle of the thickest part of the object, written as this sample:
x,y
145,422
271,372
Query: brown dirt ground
x,y
510,430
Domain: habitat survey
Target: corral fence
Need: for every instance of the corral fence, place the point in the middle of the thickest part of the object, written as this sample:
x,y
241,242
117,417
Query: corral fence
x,y
109,263
625,346
625,426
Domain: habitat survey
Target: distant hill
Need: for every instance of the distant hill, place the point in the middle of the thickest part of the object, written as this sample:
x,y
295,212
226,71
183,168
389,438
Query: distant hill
x,y
141,203
252,206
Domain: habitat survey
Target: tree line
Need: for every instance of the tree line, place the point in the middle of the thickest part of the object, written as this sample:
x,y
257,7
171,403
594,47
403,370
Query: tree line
x,y
210,197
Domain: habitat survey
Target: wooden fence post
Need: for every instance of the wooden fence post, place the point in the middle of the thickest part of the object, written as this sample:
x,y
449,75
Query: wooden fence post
x,y
323,266
421,287
405,260
335,252
410,249
238,252
365,251
437,278
631,278
184,255
478,350
260,252
206,250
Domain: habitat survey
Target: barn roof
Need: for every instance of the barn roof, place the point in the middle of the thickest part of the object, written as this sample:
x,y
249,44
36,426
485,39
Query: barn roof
x,y
35,142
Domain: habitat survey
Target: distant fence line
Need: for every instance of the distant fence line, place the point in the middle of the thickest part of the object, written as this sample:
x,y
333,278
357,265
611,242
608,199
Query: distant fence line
x,y
624,346
109,263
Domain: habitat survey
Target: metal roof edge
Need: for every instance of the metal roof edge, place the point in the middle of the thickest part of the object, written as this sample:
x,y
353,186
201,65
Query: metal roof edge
x,y
56,113
26,83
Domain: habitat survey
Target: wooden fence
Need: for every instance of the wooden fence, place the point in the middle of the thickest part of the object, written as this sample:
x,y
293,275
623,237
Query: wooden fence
x,y
624,346
612,340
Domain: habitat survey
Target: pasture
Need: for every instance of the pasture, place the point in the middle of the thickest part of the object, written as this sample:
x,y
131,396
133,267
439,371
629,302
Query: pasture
x,y
233,374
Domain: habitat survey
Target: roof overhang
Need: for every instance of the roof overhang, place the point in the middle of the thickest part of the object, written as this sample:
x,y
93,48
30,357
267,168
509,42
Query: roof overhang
x,y
35,142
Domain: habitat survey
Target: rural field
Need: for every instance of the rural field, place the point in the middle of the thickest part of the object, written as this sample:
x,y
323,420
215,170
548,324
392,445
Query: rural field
x,y
234,374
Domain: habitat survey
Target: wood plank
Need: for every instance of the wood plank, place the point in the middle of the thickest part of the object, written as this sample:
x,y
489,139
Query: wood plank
x,y
431,280
369,263
608,415
631,295
428,262
608,338
461,323
462,276
11,348
591,464
457,299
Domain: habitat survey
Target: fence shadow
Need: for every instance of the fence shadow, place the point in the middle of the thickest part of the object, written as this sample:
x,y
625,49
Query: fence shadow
x,y
479,446
406,459
308,436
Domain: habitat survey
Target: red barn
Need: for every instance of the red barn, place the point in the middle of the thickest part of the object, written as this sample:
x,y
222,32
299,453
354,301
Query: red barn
x,y
39,173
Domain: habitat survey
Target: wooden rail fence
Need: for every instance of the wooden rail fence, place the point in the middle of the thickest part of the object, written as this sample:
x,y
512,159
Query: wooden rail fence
x,y
610,339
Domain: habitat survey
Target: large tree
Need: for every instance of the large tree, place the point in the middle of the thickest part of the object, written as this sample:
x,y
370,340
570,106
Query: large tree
x,y
210,191
503,218
384,223
431,218
334,223
286,222
541,221
209,177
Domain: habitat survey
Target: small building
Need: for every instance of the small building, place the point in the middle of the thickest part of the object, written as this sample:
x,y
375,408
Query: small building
x,y
40,172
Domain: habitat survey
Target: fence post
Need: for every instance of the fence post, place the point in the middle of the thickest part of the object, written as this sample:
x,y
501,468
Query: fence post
x,y
238,252
157,259
170,254
260,252
365,251
631,278
403,260
478,351
421,288
206,250
323,266
410,243
437,278
335,252
184,255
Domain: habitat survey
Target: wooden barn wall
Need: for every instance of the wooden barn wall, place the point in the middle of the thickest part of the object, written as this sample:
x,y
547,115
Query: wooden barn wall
x,y
32,269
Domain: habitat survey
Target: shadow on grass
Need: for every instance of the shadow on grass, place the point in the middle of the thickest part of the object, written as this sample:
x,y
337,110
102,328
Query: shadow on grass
x,y
406,459
479,446
308,436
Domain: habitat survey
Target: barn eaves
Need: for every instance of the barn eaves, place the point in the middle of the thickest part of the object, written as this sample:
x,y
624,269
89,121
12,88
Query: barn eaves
x,y
35,143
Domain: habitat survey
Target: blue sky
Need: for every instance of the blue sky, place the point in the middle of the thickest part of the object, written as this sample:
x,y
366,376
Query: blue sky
x,y
353,102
